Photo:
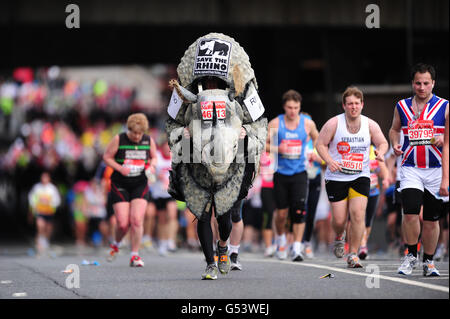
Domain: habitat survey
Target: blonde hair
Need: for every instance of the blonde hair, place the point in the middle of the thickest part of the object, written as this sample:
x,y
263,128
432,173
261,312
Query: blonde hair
x,y
137,122
352,90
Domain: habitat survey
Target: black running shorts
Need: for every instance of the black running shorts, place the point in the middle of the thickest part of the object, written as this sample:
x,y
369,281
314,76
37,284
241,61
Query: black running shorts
x,y
290,190
126,193
337,190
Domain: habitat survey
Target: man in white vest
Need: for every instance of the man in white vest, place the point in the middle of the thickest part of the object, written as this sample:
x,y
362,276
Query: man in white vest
x,y
344,144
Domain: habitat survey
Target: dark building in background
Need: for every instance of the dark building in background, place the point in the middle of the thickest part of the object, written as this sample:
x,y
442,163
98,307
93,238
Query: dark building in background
x,y
316,47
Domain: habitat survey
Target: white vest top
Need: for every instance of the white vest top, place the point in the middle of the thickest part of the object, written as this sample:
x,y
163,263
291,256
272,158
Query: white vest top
x,y
352,150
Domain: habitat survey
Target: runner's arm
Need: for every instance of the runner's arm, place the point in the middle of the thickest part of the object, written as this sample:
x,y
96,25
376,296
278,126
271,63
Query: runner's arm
x,y
326,134
109,154
272,132
153,157
313,132
378,139
394,134
443,190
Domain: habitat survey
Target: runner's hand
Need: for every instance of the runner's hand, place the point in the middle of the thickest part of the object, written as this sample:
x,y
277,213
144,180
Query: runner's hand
x,y
334,166
439,140
282,148
378,156
397,150
243,133
124,170
443,190
186,133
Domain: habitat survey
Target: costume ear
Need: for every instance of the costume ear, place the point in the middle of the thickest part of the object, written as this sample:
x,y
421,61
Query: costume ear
x,y
238,80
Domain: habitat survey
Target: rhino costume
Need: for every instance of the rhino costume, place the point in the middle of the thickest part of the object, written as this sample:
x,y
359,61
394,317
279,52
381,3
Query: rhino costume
x,y
214,168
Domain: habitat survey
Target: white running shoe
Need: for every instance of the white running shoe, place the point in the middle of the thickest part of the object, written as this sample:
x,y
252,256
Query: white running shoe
x,y
235,263
339,246
162,250
353,261
429,269
308,251
408,264
297,256
282,252
270,251
440,252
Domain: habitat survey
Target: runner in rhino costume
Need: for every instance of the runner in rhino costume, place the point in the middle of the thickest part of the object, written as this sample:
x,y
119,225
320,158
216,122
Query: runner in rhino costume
x,y
217,132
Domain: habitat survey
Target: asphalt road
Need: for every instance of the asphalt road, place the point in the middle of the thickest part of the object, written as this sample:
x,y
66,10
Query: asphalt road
x,y
177,276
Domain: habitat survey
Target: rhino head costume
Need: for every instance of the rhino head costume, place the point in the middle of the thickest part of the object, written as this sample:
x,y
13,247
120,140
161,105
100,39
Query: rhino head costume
x,y
212,166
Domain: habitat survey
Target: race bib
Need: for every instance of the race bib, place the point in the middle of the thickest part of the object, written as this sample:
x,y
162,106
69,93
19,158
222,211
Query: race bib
x,y
294,149
136,166
207,110
373,165
420,132
266,173
43,205
174,105
373,181
254,106
352,163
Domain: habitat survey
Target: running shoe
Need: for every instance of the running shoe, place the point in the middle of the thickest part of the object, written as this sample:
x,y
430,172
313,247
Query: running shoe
x,y
408,264
162,249
363,252
308,251
171,246
353,261
339,246
235,263
429,269
223,262
440,252
270,251
147,245
281,252
112,253
296,256
210,272
136,261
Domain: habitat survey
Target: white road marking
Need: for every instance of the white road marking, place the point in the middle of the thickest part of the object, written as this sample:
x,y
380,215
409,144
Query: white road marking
x,y
364,274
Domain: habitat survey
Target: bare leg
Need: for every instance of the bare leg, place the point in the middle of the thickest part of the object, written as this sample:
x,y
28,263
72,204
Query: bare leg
x,y
122,215
357,208
137,213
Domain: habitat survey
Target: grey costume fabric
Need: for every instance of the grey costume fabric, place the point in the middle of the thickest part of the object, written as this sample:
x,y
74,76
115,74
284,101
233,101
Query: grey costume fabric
x,y
199,177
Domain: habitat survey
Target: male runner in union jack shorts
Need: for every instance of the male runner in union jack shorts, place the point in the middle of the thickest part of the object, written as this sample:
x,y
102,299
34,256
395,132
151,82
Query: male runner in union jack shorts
x,y
422,119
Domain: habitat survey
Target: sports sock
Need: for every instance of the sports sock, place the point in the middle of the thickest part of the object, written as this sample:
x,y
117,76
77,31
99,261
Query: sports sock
x,y
234,249
427,257
412,249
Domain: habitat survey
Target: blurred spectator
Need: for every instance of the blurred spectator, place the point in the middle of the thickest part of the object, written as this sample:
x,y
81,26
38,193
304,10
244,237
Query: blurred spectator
x,y
78,207
95,200
44,198
166,206
49,121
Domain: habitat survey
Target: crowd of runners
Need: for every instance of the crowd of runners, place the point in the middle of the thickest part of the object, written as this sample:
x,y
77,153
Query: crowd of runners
x,y
318,190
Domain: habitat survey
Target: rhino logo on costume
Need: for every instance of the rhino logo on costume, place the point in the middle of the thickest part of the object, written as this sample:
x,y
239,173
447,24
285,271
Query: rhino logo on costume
x,y
213,47
212,165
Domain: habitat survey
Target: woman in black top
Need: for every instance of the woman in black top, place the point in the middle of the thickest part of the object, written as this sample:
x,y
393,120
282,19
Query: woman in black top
x,y
132,155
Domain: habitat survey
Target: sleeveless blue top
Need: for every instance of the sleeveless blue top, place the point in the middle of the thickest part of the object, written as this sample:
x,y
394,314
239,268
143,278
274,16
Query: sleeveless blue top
x,y
293,161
